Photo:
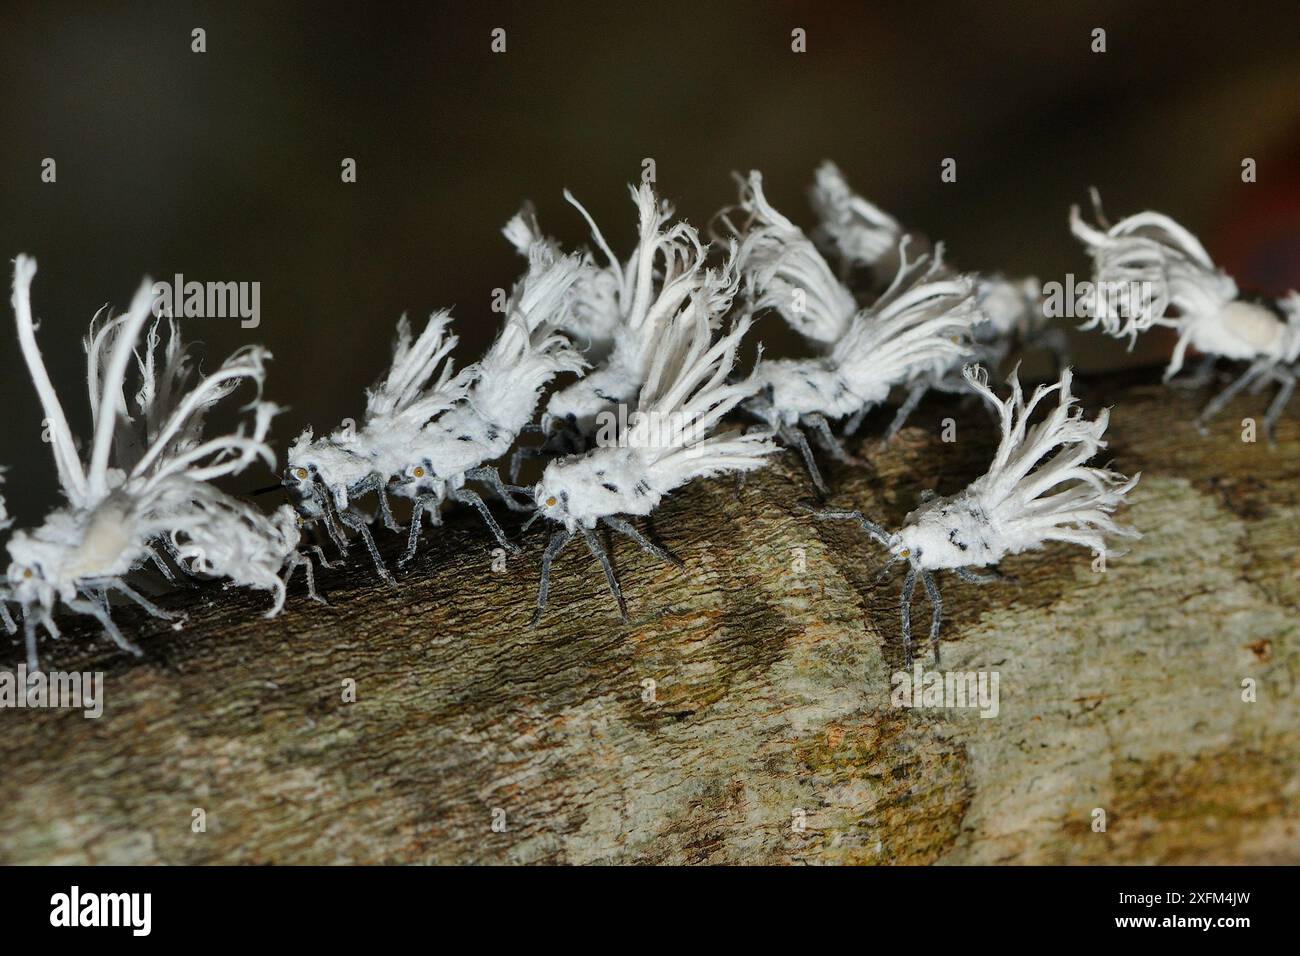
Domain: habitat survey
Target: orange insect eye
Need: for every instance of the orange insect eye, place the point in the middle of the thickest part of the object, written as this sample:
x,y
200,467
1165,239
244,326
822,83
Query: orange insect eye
x,y
417,472
904,553
27,572
550,502
301,473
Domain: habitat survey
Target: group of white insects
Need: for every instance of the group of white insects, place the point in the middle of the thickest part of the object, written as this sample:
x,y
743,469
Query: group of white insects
x,y
659,331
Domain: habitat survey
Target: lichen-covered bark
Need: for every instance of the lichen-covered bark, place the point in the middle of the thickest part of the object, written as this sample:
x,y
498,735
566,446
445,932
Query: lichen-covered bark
x,y
771,657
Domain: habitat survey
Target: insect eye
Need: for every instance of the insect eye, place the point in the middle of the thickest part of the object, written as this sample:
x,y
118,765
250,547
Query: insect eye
x,y
904,553
27,572
550,502
301,473
417,471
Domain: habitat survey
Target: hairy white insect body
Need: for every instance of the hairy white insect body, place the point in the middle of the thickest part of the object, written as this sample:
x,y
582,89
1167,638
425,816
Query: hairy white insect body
x,y
234,541
1149,271
503,389
637,299
326,476
861,232
594,316
915,331
668,442
1011,315
1037,489
783,270
117,511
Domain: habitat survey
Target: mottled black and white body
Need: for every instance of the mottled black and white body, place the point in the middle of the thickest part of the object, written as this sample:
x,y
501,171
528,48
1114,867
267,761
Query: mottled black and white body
x,y
631,302
326,476
501,396
1011,317
1039,488
120,502
913,333
669,441
1149,271
1011,321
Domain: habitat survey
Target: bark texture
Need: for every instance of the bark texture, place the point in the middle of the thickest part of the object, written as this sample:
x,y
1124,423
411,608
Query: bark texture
x,y
769,736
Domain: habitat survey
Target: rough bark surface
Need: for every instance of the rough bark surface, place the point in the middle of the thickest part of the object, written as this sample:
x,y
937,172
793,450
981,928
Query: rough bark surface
x,y
771,657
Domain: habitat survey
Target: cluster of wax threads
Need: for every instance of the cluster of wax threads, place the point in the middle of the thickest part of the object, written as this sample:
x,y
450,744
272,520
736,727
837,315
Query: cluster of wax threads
x,y
651,340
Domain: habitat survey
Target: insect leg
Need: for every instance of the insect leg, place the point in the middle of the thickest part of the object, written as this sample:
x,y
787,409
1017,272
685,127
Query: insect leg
x,y
558,541
904,412
291,564
385,511
821,430
117,584
1279,403
466,496
1217,403
869,526
936,618
909,588
330,518
320,556
6,619
629,529
795,438
310,572
973,577
47,620
855,422
358,524
597,549
527,451
29,638
163,568
417,524
99,611
1204,372
492,478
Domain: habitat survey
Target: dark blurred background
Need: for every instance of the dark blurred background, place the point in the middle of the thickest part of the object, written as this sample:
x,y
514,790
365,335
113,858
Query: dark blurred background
x,y
226,165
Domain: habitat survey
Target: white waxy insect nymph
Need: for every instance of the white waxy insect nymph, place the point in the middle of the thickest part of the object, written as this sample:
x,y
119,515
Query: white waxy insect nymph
x,y
636,300
1037,489
327,475
860,232
234,541
593,317
503,389
783,270
1011,317
130,495
1149,271
915,331
667,443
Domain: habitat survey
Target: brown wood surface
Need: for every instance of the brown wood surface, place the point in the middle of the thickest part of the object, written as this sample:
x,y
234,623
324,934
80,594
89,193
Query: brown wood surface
x,y
771,657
